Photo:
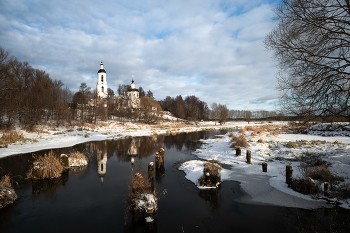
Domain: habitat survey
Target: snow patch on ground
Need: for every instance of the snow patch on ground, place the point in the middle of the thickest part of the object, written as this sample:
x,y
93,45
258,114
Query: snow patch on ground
x,y
194,170
329,130
271,187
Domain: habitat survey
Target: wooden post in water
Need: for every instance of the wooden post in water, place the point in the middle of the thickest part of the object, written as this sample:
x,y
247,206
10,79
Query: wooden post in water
x,y
150,170
289,174
160,169
206,172
325,188
150,175
264,167
238,151
249,156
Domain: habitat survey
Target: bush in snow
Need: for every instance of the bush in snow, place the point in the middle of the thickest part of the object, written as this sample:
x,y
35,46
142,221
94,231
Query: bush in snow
x,y
45,167
240,141
142,199
75,159
211,175
320,173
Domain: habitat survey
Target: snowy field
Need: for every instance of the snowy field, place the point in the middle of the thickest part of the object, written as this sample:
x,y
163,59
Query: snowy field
x,y
278,151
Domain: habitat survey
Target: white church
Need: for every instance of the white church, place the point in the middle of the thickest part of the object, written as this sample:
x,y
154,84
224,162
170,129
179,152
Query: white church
x,y
132,95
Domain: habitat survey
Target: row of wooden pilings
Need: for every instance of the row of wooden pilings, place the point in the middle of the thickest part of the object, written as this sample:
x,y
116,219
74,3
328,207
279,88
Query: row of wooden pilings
x,y
289,169
159,159
249,158
160,170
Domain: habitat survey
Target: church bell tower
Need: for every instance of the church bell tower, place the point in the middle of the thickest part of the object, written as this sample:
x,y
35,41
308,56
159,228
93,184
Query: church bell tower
x,y
101,86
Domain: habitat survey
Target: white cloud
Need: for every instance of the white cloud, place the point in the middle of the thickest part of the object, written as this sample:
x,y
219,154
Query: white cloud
x,y
212,49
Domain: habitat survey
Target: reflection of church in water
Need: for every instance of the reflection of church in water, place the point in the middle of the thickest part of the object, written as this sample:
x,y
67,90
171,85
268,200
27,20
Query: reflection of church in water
x,y
101,164
133,150
126,150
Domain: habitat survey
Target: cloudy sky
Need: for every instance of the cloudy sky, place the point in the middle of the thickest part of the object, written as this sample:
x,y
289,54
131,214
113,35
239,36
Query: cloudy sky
x,y
212,49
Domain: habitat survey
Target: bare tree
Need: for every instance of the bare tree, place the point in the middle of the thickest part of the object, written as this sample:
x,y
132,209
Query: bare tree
x,y
248,115
84,96
311,43
223,113
150,110
214,113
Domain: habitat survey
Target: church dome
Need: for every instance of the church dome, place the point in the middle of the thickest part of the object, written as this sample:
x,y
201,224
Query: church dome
x,y
132,86
101,70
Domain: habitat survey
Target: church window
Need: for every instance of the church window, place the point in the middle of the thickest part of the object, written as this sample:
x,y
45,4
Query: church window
x,y
101,78
101,167
102,89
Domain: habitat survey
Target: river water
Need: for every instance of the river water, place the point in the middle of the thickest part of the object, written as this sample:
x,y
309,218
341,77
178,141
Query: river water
x,y
92,198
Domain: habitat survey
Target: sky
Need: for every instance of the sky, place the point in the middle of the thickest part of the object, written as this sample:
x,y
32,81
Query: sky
x,y
212,49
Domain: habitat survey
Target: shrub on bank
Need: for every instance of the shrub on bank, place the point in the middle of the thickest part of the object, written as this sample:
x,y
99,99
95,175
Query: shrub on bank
x,y
11,137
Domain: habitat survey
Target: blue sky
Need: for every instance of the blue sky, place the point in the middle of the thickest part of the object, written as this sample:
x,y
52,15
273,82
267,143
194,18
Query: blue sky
x,y
209,48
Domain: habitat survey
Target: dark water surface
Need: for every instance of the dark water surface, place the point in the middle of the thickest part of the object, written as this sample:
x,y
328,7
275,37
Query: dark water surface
x,y
92,199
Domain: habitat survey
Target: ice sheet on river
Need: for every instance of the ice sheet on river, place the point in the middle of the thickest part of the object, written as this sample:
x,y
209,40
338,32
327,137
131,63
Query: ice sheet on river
x,y
257,187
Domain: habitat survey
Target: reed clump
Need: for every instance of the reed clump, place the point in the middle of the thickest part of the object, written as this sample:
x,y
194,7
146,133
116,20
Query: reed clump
x,y
320,173
211,175
7,193
5,181
238,141
142,198
45,167
11,137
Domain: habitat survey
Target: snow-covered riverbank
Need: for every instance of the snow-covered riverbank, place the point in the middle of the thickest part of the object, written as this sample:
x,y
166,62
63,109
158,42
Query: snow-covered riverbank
x,y
48,137
271,187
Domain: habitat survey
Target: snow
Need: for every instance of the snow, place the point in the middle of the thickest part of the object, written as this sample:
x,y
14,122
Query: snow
x,y
70,136
262,187
328,129
271,187
146,202
7,196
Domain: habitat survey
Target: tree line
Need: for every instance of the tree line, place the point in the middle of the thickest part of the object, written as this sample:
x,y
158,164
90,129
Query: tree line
x,y
29,96
190,108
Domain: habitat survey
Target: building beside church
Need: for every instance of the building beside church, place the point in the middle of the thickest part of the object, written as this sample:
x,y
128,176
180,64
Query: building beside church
x,y
132,96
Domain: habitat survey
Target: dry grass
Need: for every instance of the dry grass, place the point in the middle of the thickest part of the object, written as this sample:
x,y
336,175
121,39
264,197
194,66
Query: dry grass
x,y
290,144
243,131
5,181
7,193
211,174
260,140
45,167
240,141
320,173
139,183
142,199
304,186
77,155
11,137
